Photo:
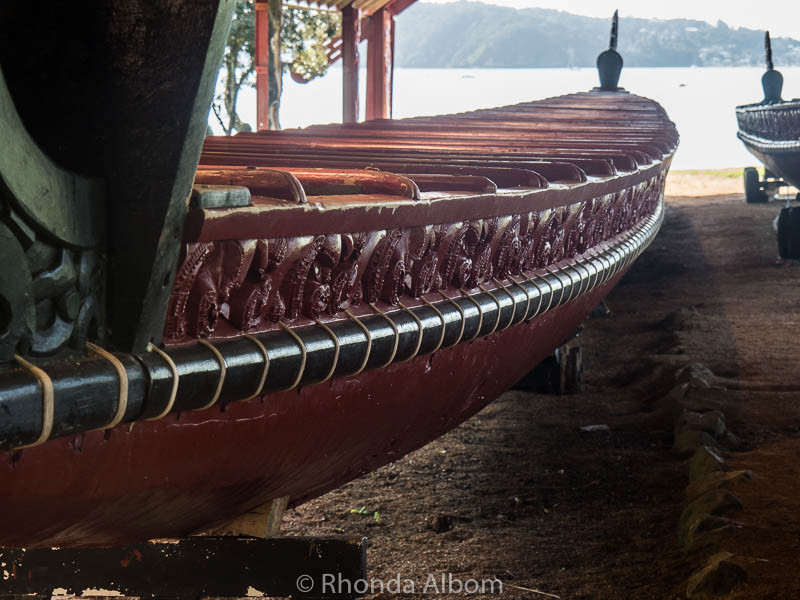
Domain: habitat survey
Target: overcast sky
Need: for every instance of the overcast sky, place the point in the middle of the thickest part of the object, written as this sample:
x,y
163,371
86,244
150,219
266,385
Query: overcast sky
x,y
781,17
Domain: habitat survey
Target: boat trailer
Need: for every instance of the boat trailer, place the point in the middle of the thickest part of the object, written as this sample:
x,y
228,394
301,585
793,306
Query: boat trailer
x,y
770,130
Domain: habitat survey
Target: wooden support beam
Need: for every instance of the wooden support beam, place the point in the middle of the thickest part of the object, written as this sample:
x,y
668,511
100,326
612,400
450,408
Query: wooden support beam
x,y
351,35
262,65
274,62
380,65
263,522
399,6
391,79
192,568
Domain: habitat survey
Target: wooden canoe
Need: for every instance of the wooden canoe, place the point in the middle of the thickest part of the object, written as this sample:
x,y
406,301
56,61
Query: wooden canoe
x,y
343,295
771,132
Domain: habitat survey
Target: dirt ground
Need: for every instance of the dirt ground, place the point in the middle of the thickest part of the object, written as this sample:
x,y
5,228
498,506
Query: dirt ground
x,y
521,493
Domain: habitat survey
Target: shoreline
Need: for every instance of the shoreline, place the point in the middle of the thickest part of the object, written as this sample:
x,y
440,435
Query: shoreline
x,y
697,183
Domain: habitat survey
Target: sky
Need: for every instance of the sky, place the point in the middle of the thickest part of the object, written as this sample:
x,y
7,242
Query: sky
x,y
780,17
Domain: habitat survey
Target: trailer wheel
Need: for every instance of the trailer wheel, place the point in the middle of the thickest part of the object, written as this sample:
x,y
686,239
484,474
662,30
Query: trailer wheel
x,y
789,233
753,193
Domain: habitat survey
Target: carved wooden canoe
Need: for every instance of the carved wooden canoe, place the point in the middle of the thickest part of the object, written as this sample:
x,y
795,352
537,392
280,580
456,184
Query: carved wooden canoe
x,y
326,301
770,129
343,295
771,132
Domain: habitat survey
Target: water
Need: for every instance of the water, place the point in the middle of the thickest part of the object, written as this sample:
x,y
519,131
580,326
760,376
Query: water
x,y
701,101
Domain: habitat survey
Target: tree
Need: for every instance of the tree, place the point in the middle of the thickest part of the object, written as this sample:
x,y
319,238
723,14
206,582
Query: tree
x,y
238,67
298,40
304,38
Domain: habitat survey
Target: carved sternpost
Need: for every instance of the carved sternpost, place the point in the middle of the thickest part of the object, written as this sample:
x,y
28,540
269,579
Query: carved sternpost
x,y
150,191
609,63
122,94
771,80
51,246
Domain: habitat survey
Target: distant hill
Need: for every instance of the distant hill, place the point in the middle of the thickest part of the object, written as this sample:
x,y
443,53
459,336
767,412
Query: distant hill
x,y
473,34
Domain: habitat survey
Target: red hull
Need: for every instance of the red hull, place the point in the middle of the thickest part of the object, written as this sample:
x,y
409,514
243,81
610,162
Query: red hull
x,y
318,303
174,476
335,275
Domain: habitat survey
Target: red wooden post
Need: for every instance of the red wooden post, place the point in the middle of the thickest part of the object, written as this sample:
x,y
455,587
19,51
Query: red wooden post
x,y
351,33
380,65
391,74
262,65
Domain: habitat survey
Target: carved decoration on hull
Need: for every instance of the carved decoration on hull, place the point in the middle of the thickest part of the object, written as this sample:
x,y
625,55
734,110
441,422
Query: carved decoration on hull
x,y
50,296
51,269
254,284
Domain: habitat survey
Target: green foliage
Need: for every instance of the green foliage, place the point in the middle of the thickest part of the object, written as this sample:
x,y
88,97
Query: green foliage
x,y
238,67
304,35
376,516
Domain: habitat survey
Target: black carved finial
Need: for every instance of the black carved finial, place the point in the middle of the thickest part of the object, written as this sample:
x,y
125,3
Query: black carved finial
x,y
612,44
772,80
768,51
609,63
